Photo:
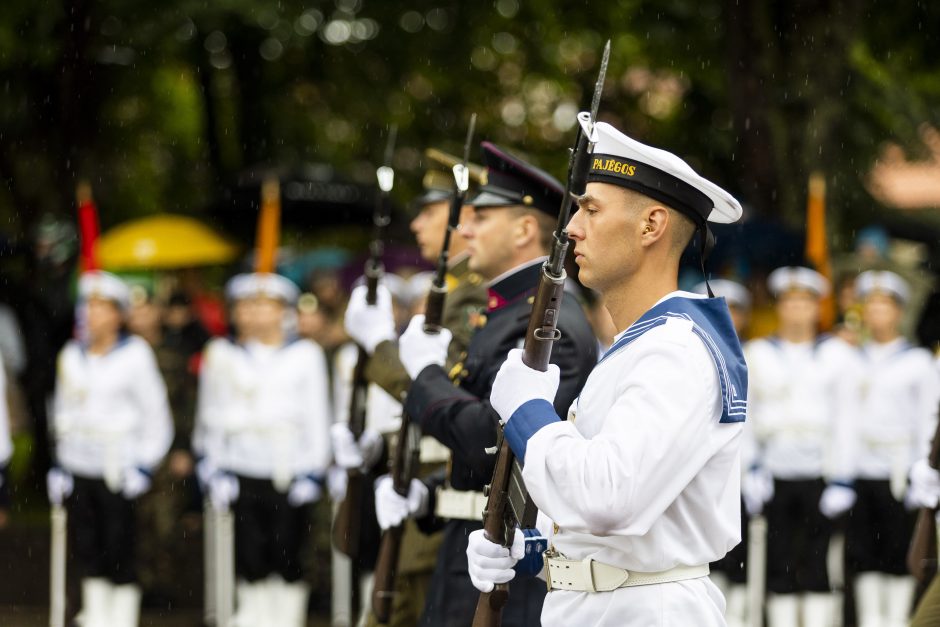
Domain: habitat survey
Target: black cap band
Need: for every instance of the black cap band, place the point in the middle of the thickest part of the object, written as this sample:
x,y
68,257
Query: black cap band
x,y
653,182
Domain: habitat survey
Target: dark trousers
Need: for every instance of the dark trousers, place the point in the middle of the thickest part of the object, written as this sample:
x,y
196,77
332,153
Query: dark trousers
x,y
797,538
733,565
269,533
879,530
102,530
452,599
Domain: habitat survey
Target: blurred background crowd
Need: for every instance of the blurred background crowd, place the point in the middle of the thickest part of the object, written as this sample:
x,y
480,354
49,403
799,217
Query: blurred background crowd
x,y
175,112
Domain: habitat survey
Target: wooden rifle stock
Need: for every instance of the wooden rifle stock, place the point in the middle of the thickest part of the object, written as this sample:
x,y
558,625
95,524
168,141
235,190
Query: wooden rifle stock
x,y
922,554
498,526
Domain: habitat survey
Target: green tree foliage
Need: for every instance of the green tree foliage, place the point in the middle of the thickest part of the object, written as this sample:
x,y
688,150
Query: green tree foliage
x,y
162,104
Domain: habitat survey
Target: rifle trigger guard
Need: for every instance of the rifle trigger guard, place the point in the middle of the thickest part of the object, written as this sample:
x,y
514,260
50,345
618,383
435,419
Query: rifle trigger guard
x,y
542,336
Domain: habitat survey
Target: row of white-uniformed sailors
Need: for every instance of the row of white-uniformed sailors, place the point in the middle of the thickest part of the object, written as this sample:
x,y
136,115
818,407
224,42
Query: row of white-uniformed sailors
x,y
833,432
262,436
832,429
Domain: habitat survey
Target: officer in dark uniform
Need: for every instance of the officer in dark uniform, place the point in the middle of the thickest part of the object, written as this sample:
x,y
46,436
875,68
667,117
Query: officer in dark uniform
x,y
509,236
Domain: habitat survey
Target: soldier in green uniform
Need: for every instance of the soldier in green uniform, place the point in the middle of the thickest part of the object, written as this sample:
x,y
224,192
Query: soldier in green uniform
x,y
466,298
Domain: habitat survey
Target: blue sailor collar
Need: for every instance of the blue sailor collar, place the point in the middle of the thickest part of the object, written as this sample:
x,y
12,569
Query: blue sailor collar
x,y
711,321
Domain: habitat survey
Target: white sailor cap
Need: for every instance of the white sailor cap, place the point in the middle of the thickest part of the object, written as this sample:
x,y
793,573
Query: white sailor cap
x,y
237,287
661,175
882,281
789,278
270,285
100,284
736,294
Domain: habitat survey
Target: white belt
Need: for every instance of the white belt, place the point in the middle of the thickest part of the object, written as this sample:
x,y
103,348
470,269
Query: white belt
x,y
588,575
432,451
460,504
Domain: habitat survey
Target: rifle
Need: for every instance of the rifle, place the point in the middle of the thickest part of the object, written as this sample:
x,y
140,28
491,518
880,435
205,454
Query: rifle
x,y
922,554
508,502
405,459
347,525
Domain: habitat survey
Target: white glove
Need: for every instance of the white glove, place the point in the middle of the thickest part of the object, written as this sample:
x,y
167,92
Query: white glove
x,y
223,491
490,563
517,384
757,488
369,325
924,490
418,350
336,479
303,490
59,485
392,509
349,453
836,500
135,483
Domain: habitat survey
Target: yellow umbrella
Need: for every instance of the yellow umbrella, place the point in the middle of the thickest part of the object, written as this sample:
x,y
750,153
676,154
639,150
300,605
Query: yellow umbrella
x,y
163,242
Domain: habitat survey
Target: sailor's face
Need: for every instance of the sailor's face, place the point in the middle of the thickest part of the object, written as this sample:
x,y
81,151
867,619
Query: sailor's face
x,y
798,307
242,319
489,233
881,313
267,313
428,227
103,317
602,230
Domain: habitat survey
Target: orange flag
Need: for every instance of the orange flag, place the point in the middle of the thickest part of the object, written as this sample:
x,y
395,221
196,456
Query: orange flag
x,y
269,226
817,245
87,227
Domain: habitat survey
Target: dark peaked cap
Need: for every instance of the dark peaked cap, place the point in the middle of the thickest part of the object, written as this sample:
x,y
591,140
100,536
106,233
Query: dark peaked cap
x,y
511,181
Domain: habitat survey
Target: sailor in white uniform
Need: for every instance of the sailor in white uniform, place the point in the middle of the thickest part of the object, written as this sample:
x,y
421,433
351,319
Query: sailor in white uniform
x,y
639,489
798,451
900,394
264,415
112,427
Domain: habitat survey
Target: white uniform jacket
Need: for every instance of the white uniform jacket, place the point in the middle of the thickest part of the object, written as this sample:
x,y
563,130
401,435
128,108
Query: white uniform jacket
x,y
645,473
802,408
110,411
263,411
900,393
